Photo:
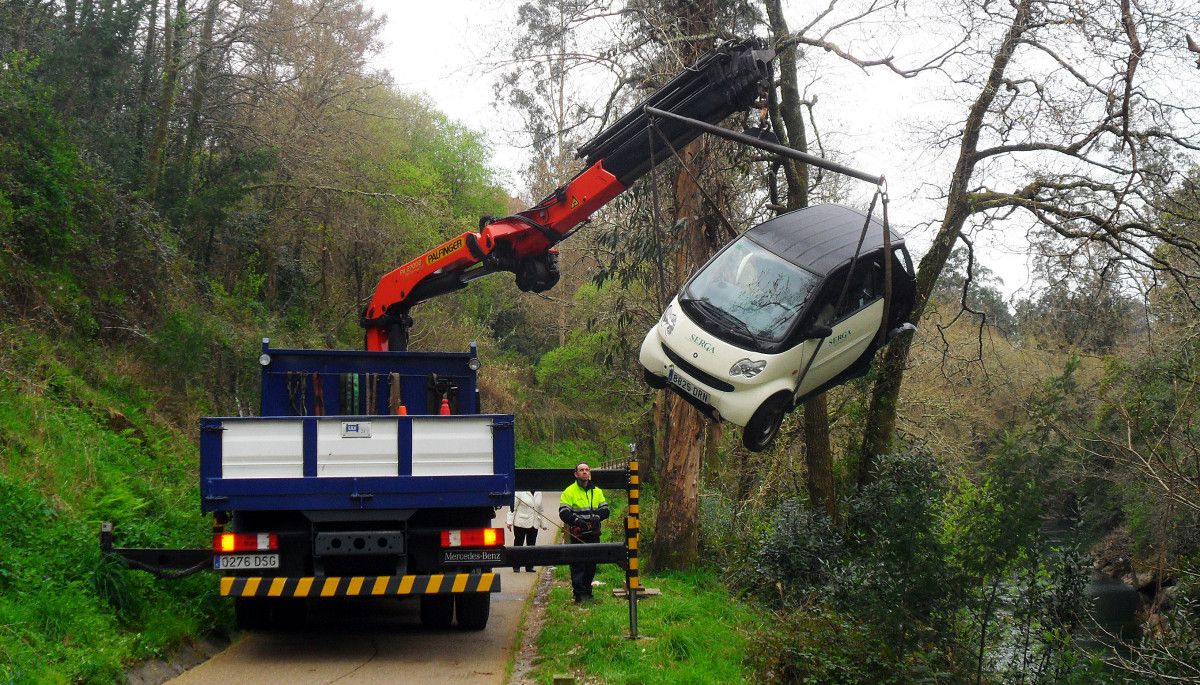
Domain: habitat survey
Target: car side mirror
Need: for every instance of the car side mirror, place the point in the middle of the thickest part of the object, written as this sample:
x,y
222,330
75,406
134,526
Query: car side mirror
x,y
817,330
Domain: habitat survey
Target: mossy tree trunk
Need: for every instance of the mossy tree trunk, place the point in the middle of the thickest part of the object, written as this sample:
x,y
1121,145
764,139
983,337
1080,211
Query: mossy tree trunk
x,y
881,416
676,543
172,57
789,125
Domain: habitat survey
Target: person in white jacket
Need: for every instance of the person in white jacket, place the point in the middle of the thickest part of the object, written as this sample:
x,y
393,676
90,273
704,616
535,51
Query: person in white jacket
x,y
524,519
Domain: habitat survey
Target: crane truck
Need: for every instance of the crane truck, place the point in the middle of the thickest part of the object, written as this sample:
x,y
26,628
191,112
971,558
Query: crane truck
x,y
375,473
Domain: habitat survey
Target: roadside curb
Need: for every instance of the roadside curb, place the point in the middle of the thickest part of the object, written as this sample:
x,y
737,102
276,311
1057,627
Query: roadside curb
x,y
532,618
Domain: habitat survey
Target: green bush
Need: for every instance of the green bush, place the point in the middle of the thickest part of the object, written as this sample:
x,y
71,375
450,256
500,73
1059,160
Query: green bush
x,y
41,174
796,553
818,645
893,574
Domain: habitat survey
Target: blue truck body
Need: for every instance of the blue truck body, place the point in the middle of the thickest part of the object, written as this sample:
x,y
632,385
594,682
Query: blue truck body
x,y
340,494
334,370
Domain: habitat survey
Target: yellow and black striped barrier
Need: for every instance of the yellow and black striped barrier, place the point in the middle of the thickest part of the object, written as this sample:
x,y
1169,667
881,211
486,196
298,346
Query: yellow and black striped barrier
x,y
359,586
632,533
632,529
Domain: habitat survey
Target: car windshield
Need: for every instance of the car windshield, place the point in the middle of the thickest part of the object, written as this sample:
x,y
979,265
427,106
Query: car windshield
x,y
762,291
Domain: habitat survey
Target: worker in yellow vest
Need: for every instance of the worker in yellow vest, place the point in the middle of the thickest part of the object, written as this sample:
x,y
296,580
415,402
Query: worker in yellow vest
x,y
582,507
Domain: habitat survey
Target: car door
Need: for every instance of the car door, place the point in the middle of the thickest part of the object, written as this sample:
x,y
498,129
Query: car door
x,y
853,317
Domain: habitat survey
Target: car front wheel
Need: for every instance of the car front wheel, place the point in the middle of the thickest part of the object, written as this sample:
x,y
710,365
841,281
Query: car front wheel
x,y
763,426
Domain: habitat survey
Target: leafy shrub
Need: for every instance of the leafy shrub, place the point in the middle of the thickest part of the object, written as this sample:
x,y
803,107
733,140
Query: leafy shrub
x,y
894,574
794,554
40,170
819,645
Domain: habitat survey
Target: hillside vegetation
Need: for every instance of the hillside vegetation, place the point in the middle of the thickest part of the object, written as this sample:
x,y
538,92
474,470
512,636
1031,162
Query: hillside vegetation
x,y
180,179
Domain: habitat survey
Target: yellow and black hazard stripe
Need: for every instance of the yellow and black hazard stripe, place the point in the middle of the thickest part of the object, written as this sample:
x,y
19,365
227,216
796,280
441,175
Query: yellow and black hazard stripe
x,y
632,526
360,586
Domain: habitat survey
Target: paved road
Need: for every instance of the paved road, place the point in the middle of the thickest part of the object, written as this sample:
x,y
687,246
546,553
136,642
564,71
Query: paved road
x,y
379,641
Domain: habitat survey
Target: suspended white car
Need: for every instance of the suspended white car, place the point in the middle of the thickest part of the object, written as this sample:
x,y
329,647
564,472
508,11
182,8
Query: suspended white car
x,y
790,309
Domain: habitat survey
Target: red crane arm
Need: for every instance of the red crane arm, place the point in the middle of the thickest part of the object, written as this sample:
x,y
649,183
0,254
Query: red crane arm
x,y
731,78
515,243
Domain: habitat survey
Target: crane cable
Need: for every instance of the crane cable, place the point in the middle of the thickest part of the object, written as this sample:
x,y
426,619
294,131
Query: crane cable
x,y
684,166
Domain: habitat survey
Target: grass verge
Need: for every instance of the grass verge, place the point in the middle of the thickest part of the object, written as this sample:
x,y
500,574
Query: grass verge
x,y
695,632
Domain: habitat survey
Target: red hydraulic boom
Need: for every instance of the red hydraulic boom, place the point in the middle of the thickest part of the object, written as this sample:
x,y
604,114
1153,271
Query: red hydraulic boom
x,y
729,79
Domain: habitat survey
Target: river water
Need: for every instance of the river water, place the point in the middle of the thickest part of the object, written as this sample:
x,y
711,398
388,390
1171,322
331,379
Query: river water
x,y
1114,609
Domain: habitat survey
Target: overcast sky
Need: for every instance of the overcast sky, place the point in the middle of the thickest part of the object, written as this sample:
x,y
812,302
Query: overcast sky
x,y
443,48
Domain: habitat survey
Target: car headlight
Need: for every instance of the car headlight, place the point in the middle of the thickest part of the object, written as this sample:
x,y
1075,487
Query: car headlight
x,y
747,368
668,320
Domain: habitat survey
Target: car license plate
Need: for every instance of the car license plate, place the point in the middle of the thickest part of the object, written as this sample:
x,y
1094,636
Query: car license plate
x,y
687,386
225,562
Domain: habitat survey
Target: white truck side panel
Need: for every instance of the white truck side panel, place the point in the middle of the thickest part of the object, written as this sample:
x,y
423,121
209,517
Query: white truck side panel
x,y
339,456
461,447
263,449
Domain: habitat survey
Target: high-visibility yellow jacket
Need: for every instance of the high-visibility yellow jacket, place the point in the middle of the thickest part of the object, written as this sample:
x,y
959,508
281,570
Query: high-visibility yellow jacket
x,y
582,506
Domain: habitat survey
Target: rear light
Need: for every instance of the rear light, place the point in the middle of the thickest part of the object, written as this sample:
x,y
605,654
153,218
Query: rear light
x,y
473,537
224,543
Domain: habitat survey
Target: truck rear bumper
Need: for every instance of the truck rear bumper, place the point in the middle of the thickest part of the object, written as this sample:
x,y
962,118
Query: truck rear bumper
x,y
360,586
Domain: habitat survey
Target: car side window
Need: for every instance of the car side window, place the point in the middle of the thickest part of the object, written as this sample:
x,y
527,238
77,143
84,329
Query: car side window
x,y
866,286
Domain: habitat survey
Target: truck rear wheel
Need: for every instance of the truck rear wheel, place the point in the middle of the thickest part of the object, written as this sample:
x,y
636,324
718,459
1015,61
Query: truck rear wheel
x,y
473,610
437,611
252,613
256,613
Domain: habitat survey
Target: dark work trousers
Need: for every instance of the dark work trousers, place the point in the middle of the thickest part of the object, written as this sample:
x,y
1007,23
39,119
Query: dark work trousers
x,y
524,536
582,575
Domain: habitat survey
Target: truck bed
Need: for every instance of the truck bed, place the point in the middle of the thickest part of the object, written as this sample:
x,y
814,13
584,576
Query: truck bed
x,y
356,462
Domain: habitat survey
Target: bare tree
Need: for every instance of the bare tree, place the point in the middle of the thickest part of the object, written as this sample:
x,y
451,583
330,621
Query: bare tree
x,y
823,28
1070,128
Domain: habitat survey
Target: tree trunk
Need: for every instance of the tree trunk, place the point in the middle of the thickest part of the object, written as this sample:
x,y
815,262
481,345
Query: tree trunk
x,y
69,16
172,49
818,452
676,543
199,90
818,456
147,72
881,416
790,107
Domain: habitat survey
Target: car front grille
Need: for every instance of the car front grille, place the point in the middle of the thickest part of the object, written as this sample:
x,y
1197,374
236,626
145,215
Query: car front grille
x,y
699,375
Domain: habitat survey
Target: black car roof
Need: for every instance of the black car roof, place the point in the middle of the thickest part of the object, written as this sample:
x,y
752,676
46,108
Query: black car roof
x,y
822,237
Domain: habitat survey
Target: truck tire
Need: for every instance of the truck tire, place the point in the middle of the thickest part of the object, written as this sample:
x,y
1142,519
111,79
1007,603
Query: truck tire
x,y
437,611
252,613
473,610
